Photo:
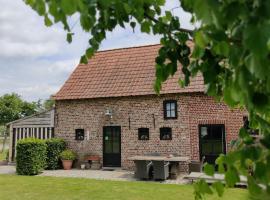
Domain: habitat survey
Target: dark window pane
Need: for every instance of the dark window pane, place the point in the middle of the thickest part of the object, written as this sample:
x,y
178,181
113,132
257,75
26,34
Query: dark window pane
x,y
143,133
165,133
79,134
170,109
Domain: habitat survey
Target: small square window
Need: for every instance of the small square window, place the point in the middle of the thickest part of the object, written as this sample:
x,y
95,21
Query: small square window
x,y
165,133
170,109
79,134
143,133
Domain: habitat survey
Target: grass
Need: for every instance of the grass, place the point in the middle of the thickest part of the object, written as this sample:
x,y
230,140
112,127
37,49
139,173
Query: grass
x,y
33,187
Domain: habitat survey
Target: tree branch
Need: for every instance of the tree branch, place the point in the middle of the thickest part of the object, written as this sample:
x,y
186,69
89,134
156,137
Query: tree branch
x,y
190,32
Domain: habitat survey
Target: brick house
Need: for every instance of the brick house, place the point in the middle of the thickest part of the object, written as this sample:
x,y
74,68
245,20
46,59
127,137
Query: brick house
x,y
109,108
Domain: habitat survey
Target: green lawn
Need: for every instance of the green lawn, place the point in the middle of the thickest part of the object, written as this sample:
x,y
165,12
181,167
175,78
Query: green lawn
x,y
21,188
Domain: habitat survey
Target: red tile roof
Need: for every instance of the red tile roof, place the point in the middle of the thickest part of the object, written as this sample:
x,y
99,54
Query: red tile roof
x,y
121,72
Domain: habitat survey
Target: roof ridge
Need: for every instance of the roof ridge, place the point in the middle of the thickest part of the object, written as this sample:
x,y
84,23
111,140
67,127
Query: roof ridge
x,y
131,47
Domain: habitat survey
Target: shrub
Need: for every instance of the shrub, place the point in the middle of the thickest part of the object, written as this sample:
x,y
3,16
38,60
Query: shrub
x,y
54,147
31,156
68,155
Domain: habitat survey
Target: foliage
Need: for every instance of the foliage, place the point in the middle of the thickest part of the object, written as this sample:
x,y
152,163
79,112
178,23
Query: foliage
x,y
68,155
48,104
12,107
3,155
2,131
231,51
31,156
47,188
54,147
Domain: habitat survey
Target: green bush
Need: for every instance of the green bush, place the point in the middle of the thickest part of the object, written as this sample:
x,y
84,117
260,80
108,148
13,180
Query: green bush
x,y
68,155
31,156
54,147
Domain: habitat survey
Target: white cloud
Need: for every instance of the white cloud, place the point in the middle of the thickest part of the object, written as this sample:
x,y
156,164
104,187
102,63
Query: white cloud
x,y
36,60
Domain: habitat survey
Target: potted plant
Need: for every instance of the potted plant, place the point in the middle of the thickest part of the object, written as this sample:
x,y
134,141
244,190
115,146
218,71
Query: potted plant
x,y
67,157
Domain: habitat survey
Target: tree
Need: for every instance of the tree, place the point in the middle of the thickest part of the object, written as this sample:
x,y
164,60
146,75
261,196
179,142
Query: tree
x,y
231,51
12,107
48,104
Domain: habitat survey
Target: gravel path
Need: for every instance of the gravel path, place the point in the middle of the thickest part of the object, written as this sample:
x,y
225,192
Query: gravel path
x,y
117,175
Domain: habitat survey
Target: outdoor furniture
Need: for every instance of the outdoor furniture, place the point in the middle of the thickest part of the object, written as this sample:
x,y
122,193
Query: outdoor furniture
x,y
196,166
94,161
161,170
142,169
167,159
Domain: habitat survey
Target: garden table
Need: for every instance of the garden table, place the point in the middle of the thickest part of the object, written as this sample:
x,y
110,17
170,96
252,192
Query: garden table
x,y
173,160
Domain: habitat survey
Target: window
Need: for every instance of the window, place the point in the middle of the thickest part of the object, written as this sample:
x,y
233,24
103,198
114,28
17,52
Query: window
x,y
143,133
170,109
79,134
165,133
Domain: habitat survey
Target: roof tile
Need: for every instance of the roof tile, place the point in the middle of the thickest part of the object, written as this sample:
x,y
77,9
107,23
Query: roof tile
x,y
121,72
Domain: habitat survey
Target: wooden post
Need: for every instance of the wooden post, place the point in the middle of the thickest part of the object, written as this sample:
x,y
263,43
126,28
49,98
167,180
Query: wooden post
x,y
45,137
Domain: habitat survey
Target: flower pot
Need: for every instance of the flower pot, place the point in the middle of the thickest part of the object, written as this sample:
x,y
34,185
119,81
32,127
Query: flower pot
x,y
82,166
67,164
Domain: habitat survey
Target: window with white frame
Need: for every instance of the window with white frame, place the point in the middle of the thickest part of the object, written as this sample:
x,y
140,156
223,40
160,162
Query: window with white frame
x,y
170,109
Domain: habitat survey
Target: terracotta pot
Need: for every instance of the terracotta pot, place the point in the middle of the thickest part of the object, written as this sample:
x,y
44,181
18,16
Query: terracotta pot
x,y
67,164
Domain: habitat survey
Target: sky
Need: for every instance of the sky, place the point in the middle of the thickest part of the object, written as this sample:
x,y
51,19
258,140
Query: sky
x,y
36,60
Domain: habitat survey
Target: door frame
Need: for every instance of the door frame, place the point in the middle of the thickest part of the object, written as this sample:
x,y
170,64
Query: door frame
x,y
223,137
103,144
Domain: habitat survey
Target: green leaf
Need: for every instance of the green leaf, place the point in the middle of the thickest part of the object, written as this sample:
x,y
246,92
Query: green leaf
x,y
127,8
40,7
257,66
69,37
221,48
133,25
209,169
256,37
203,187
219,187
253,188
231,177
47,21
160,2
84,59
201,39
145,27
198,52
69,7
260,170
220,162
90,52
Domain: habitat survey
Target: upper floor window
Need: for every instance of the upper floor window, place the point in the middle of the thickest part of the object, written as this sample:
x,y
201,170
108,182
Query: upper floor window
x,y
170,109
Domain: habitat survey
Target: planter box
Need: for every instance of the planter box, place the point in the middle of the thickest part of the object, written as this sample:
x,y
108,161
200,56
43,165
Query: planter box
x,y
92,158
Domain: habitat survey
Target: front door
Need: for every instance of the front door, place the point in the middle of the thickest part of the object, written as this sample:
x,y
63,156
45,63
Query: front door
x,y
112,146
212,141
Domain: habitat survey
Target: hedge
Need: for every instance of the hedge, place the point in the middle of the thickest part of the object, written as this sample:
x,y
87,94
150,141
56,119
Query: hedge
x,y
54,147
31,156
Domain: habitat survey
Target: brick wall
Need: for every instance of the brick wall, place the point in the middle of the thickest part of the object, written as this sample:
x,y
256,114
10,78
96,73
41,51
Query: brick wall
x,y
132,113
